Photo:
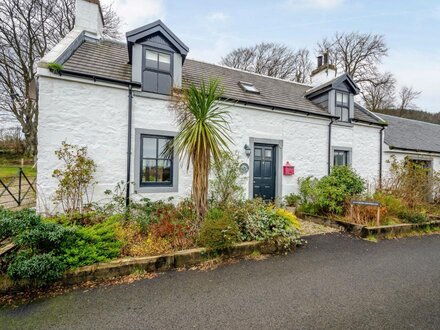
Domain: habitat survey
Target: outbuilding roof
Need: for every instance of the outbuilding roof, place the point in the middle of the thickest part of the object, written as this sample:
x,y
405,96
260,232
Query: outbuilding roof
x,y
413,135
109,59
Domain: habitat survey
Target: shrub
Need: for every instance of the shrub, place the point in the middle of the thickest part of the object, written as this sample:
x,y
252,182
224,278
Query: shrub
x,y
12,223
89,245
392,204
40,269
290,217
43,236
75,178
259,222
329,194
226,187
413,217
218,231
412,181
292,200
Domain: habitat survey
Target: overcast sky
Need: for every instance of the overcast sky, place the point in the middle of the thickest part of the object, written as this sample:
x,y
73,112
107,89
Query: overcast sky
x,y
212,28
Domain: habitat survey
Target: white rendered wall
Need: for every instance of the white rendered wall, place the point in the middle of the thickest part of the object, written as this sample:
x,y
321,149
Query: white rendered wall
x,y
400,155
92,115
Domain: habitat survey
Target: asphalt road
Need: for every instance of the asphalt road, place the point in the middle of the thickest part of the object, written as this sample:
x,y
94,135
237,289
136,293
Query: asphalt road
x,y
336,281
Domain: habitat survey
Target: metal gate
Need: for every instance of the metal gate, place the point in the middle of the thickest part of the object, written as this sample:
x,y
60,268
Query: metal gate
x,y
17,191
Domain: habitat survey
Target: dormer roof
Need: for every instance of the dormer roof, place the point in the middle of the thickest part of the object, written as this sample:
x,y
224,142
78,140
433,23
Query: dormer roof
x,y
155,33
335,84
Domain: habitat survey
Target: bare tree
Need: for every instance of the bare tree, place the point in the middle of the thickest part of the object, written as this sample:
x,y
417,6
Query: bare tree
x,y
406,97
355,53
379,93
28,30
271,59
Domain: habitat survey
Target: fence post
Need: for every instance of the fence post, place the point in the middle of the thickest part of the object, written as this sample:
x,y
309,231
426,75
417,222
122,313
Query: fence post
x,y
19,187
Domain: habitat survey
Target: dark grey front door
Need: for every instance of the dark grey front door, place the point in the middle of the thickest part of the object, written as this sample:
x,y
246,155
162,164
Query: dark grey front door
x,y
264,171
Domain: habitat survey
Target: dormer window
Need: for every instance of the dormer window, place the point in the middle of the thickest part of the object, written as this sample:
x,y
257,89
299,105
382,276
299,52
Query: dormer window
x,y
249,87
342,109
157,72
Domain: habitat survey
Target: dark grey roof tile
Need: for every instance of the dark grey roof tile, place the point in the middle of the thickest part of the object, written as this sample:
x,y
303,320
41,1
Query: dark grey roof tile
x,y
409,134
109,59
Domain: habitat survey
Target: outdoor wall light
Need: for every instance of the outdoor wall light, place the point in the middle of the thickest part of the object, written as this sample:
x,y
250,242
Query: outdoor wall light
x,y
247,149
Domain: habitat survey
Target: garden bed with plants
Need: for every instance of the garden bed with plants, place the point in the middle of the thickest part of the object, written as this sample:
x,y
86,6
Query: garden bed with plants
x,y
48,247
407,200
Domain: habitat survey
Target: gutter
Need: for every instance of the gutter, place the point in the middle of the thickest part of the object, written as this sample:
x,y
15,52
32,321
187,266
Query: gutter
x,y
256,104
98,78
369,122
130,115
329,167
414,150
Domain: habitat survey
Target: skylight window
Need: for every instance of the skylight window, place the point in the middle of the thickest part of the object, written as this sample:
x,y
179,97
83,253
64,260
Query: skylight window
x,y
248,87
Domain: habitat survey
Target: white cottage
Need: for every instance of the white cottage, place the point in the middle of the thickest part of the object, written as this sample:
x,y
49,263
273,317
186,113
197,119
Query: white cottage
x,y
114,98
411,139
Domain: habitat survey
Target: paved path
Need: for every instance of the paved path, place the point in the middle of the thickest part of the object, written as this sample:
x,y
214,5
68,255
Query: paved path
x,y
335,282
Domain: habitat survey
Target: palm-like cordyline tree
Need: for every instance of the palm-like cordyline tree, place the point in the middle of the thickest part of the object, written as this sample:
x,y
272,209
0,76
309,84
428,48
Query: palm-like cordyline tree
x,y
204,134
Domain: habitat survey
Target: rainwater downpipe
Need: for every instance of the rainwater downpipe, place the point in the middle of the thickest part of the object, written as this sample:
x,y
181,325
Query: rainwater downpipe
x,y
130,114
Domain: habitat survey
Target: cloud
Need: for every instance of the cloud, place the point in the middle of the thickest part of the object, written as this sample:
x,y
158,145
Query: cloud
x,y
217,16
313,4
135,13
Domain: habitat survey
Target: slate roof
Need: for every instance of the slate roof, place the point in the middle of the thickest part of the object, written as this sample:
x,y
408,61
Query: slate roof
x,y
408,134
109,59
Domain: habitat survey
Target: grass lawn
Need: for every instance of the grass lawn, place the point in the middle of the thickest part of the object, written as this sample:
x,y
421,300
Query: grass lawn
x,y
9,171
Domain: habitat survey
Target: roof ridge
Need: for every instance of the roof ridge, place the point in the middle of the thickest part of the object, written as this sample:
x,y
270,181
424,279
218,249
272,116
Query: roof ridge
x,y
408,119
253,73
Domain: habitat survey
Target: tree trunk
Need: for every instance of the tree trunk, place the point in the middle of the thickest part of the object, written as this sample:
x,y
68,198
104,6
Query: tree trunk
x,y
200,182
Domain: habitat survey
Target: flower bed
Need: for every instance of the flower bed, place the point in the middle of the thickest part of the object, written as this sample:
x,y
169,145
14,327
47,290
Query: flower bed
x,y
368,231
48,247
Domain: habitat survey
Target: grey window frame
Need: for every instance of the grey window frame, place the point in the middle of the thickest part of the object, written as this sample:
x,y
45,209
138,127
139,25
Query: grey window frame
x,y
343,149
154,187
158,71
343,106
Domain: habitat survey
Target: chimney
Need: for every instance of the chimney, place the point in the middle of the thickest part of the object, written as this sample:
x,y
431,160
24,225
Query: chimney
x,y
324,72
325,58
319,61
88,17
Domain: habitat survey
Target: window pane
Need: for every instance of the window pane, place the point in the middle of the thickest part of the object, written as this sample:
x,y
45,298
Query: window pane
x,y
149,148
164,62
344,114
267,153
161,147
148,170
149,81
338,111
151,59
163,171
164,83
345,99
339,97
257,153
340,158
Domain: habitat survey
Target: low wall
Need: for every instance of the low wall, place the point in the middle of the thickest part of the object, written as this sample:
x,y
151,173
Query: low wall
x,y
127,266
365,231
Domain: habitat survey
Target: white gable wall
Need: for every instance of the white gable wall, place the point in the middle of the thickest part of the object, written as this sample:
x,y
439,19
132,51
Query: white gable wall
x,y
95,115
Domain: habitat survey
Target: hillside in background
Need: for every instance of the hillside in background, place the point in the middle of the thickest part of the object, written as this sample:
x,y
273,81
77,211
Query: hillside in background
x,y
413,114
